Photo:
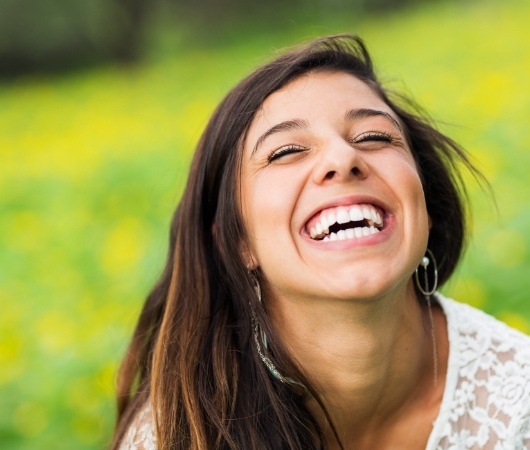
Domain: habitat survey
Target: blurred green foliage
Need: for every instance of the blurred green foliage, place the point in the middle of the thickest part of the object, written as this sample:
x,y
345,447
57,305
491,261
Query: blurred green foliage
x,y
92,165
51,35
54,35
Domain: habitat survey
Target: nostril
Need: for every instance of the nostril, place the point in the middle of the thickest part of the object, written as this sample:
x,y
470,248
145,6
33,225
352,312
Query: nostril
x,y
355,171
330,175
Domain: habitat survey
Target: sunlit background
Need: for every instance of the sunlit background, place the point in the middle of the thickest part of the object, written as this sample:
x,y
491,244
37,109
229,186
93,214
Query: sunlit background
x,y
101,104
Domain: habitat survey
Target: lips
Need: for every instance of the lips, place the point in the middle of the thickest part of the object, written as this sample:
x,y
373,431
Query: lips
x,y
346,222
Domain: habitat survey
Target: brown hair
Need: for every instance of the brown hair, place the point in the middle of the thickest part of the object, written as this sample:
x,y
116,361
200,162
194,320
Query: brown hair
x,y
192,354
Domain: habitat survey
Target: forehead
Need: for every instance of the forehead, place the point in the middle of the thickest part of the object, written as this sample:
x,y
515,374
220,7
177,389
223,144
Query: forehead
x,y
314,95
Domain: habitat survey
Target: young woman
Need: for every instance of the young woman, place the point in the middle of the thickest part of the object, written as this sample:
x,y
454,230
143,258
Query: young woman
x,y
297,309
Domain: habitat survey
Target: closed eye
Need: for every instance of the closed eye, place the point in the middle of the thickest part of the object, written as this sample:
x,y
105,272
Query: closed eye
x,y
284,151
372,136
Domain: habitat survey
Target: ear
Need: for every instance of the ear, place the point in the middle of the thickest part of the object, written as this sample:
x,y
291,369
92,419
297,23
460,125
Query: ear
x,y
251,262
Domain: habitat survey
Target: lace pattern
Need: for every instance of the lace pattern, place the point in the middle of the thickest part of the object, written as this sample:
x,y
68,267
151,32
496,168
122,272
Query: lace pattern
x,y
141,433
486,403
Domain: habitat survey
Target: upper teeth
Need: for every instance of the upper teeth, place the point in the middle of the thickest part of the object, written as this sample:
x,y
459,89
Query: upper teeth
x,y
342,215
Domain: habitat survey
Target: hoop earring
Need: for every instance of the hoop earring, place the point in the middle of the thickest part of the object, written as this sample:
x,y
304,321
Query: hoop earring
x,y
260,339
424,289
425,261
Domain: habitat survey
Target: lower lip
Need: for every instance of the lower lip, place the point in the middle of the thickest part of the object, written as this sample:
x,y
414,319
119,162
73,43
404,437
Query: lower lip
x,y
365,241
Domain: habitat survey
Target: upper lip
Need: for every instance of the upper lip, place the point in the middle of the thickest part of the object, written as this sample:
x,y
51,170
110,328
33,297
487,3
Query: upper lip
x,y
348,200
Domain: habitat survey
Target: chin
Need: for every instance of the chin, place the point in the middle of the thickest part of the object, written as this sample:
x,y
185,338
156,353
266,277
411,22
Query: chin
x,y
361,288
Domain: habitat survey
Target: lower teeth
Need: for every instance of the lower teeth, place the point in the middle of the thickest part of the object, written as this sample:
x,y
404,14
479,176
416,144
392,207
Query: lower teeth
x,y
351,233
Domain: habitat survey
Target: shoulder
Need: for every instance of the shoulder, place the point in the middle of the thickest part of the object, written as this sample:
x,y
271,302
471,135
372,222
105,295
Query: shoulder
x,y
141,432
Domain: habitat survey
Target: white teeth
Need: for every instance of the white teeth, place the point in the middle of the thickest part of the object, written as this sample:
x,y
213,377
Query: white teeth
x,y
342,216
324,222
356,214
367,212
332,219
351,233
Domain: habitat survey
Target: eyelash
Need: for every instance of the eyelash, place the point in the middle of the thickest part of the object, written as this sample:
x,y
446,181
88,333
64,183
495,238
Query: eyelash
x,y
374,136
290,149
370,136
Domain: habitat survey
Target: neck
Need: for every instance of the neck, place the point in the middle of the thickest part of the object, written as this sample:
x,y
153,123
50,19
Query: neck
x,y
370,361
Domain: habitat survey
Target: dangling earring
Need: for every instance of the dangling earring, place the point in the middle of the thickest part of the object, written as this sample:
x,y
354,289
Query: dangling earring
x,y
260,338
425,261
427,292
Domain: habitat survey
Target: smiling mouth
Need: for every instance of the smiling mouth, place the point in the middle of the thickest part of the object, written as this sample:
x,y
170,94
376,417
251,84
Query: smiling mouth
x,y
346,222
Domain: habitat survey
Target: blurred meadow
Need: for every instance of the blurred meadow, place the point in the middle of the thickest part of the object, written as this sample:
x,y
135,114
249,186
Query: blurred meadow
x,y
93,161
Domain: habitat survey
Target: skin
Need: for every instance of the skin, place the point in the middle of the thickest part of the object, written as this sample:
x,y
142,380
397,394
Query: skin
x,y
346,309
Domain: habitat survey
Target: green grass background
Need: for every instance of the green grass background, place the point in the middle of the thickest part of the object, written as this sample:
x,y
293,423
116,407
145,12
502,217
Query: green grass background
x,y
93,163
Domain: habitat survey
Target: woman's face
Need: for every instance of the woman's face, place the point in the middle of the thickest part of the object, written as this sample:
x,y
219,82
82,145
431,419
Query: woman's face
x,y
331,197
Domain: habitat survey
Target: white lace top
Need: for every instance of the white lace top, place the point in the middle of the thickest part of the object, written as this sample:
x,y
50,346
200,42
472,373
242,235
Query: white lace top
x,y
486,402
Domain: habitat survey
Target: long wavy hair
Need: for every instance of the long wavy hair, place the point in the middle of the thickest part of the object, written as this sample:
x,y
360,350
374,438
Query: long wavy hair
x,y
193,355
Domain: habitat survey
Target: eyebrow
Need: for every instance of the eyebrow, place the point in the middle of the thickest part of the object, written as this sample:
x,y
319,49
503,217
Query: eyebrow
x,y
298,124
361,113
288,125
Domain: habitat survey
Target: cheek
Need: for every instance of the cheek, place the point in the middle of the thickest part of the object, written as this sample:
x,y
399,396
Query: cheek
x,y
270,206
418,209
416,198
403,179
402,169
268,211
416,192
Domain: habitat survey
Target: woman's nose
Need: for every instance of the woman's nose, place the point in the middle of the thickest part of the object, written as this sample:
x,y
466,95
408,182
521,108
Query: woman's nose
x,y
339,162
